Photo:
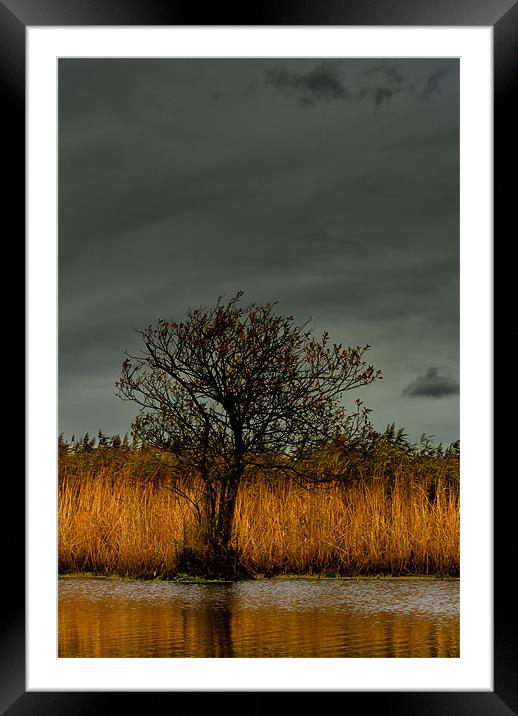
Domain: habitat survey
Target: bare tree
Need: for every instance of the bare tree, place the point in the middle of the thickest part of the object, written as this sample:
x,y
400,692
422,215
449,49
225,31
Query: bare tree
x,y
234,387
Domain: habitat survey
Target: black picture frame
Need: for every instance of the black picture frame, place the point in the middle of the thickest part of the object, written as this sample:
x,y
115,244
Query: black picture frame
x,y
15,17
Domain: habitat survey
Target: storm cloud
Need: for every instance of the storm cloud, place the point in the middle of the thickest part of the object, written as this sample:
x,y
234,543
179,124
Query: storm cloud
x,y
434,81
431,385
184,180
320,84
326,82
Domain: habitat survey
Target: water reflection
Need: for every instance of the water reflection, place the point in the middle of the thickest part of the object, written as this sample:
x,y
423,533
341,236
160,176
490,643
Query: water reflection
x,y
277,618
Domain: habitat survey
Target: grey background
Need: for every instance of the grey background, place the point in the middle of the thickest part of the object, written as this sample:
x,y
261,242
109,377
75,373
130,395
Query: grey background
x,y
329,186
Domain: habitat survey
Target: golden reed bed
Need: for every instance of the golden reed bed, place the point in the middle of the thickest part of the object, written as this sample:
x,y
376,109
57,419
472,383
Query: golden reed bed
x,y
113,523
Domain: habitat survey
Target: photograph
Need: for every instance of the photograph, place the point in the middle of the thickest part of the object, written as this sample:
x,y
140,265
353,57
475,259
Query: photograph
x,y
258,353
259,358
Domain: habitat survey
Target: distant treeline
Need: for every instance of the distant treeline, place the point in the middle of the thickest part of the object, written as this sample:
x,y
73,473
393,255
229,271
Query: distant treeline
x,y
392,440
386,457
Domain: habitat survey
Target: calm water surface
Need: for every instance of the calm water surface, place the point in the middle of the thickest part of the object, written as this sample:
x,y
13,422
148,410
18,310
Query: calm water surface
x,y
272,618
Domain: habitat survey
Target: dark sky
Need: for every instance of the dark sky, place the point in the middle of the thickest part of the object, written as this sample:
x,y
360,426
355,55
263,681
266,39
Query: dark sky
x,y
330,186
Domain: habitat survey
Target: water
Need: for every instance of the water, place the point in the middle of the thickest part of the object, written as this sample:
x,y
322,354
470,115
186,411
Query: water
x,y
272,618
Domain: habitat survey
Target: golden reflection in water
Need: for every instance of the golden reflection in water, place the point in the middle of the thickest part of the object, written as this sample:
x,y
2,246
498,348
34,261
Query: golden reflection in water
x,y
225,625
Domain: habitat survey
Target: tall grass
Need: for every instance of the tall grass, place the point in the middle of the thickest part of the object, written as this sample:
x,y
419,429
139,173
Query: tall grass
x,y
112,521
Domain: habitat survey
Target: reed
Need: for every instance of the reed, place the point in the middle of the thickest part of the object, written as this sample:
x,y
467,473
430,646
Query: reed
x,y
114,521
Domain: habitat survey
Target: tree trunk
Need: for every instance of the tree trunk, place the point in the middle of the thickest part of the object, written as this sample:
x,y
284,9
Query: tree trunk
x,y
208,519
217,518
226,511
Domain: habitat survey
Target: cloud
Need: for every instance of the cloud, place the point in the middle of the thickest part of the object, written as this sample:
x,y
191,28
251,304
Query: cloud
x,y
434,80
321,84
385,82
378,95
379,84
344,212
431,385
388,72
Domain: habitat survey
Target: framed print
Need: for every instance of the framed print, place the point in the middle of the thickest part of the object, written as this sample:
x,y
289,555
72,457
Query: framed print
x,y
68,72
